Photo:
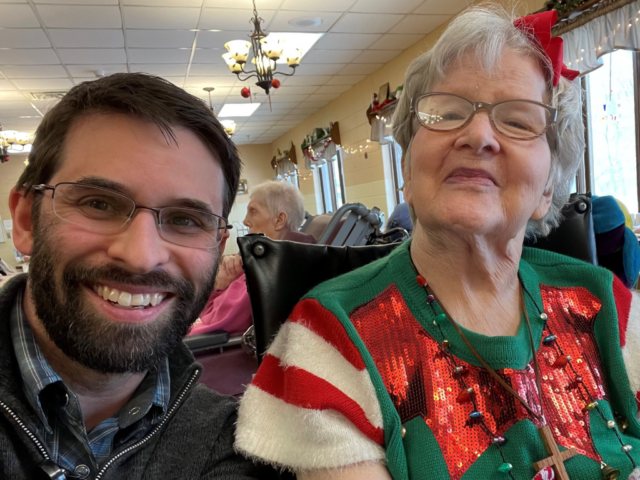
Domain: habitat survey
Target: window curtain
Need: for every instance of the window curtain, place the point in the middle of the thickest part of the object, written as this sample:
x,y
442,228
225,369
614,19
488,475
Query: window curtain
x,y
381,128
322,153
285,168
618,29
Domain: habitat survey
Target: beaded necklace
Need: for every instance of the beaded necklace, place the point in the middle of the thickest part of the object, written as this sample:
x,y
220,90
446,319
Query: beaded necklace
x,y
466,394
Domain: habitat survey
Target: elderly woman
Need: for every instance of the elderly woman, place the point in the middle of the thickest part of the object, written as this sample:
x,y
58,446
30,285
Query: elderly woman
x,y
275,209
463,354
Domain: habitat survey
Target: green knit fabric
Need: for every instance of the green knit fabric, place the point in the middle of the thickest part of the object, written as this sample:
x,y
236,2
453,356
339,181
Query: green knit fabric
x,y
418,456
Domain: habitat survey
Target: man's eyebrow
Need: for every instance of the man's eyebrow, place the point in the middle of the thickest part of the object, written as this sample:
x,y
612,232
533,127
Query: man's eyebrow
x,y
191,203
105,183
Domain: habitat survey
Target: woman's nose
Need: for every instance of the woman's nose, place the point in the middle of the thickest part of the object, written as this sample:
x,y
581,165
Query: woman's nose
x,y
479,135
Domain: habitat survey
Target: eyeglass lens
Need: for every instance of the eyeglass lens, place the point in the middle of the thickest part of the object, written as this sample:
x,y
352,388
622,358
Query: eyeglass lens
x,y
104,210
514,118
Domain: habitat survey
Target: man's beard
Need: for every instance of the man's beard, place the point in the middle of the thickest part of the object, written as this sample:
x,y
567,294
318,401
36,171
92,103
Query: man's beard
x,y
104,345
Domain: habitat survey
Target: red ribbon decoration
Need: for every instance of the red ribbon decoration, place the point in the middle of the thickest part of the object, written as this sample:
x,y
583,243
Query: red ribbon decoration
x,y
539,27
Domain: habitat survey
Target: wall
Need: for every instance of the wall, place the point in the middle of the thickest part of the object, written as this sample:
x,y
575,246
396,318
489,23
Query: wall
x,y
9,174
256,169
363,175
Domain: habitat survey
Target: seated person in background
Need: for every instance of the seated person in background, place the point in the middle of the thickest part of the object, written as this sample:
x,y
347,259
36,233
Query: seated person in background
x,y
463,354
275,209
123,208
401,218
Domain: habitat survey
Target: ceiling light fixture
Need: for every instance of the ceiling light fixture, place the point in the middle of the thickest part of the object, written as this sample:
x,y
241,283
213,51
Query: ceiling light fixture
x,y
266,51
238,109
13,142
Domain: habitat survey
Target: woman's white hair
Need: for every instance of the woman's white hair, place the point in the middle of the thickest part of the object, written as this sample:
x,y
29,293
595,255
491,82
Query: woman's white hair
x,y
281,197
486,31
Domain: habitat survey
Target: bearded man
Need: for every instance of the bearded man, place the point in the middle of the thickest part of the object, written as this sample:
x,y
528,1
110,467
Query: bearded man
x,y
123,210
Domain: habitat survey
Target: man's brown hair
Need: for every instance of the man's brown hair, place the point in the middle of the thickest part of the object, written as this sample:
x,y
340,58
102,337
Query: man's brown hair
x,y
139,95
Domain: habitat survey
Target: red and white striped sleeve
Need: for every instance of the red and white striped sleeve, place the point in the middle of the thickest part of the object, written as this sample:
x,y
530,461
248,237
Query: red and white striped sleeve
x,y
628,306
312,404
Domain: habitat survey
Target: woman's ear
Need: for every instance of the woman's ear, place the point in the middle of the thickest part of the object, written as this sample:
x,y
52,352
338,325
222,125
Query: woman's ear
x,y
406,178
20,204
280,221
544,204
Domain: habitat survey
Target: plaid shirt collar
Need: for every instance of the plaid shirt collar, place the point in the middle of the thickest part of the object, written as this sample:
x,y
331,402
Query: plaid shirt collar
x,y
37,375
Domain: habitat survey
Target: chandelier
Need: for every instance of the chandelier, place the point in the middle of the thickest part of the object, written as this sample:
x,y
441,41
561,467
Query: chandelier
x,y
266,51
13,142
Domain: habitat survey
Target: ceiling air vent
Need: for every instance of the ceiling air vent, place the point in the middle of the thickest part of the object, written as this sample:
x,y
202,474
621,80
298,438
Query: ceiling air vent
x,y
47,95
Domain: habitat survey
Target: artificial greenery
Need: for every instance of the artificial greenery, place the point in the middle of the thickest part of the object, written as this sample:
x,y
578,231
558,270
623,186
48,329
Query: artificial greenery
x,y
563,6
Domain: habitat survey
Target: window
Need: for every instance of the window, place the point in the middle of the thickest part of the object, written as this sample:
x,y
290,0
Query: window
x,y
612,107
332,184
396,168
293,179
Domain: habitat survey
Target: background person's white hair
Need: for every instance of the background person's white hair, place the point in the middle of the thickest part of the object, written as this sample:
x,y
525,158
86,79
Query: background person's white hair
x,y
281,197
486,31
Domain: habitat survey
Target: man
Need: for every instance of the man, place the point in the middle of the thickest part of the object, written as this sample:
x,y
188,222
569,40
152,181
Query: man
x,y
275,209
123,209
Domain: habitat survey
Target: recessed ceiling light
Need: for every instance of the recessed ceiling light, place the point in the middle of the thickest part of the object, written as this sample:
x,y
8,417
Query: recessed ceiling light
x,y
238,109
305,22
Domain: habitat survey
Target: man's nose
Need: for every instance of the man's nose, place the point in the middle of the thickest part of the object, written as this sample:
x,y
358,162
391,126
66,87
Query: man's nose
x,y
139,244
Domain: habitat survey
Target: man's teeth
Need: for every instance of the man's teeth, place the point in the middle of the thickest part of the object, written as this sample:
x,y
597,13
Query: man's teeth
x,y
127,299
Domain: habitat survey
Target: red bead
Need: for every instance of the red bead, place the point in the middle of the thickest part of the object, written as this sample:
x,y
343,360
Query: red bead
x,y
430,299
465,395
421,281
562,361
245,92
275,83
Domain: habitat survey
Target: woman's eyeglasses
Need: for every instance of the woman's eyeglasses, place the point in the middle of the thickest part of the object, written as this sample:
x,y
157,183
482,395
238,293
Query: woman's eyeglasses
x,y
519,119
103,210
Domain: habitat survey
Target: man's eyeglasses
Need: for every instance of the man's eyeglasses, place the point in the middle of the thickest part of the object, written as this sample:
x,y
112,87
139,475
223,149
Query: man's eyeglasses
x,y
103,210
519,119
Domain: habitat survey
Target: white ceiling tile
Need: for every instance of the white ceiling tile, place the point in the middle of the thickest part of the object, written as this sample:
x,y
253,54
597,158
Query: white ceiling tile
x,y
385,6
33,84
218,95
80,38
13,1
315,104
203,69
245,4
210,55
346,79
159,55
216,82
318,69
23,38
396,41
361,69
80,16
89,71
330,56
29,56
323,97
163,70
420,23
367,23
346,41
79,2
333,89
37,71
21,112
288,98
160,38
164,3
280,22
89,56
377,56
10,95
306,80
161,17
17,16
291,90
207,39
19,103
316,6
440,7
5,85
225,19
278,106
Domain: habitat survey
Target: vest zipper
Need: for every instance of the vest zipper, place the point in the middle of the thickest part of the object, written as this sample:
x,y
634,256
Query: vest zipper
x,y
24,428
155,430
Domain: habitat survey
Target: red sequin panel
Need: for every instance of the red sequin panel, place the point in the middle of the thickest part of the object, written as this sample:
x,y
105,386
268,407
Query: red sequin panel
x,y
421,381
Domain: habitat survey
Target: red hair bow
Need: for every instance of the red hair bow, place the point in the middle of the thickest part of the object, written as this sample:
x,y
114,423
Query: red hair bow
x,y
539,26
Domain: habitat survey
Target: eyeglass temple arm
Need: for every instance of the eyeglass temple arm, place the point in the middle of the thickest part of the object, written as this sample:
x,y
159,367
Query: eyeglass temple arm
x,y
41,187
